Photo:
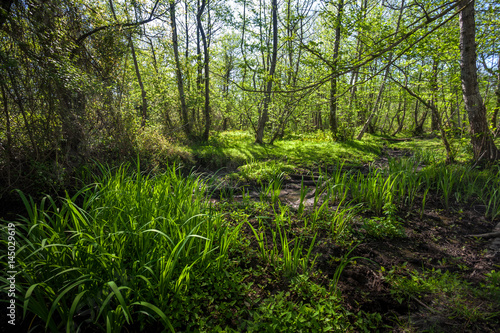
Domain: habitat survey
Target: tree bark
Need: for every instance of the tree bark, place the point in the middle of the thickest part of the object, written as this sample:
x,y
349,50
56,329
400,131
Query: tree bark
x,y
264,117
401,120
333,80
497,106
482,142
434,88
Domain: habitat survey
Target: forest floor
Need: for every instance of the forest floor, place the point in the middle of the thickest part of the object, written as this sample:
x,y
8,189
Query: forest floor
x,y
432,279
409,266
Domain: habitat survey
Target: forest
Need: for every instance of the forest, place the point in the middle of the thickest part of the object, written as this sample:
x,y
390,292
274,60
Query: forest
x,y
250,165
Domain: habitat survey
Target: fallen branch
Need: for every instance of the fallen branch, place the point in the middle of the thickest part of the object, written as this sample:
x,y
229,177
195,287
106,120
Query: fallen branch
x,y
487,235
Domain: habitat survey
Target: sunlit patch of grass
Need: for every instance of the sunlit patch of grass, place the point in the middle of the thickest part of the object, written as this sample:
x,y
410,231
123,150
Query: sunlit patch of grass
x,y
433,151
264,171
309,151
155,151
235,148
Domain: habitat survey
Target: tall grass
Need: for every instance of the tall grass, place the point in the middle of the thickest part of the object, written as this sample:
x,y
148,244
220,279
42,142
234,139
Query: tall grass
x,y
282,252
373,190
407,183
336,183
117,251
341,218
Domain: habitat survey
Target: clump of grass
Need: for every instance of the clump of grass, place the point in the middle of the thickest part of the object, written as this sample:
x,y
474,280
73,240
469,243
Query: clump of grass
x,y
264,172
117,251
407,183
341,218
374,190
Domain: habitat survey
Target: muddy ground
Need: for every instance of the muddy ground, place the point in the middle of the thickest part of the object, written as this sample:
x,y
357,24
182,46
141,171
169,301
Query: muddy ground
x,y
438,239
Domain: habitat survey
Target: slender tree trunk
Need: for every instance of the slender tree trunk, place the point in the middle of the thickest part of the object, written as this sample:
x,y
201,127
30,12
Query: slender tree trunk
x,y
153,53
400,103
434,87
206,107
144,106
186,26
333,80
435,114
431,105
375,106
497,106
434,90
186,122
401,120
481,139
264,117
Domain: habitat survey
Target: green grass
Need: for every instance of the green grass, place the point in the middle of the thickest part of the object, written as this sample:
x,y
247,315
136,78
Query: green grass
x,y
134,252
446,293
237,148
119,251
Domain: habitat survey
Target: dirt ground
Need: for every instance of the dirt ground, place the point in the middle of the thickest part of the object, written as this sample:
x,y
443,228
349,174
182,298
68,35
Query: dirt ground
x,y
439,239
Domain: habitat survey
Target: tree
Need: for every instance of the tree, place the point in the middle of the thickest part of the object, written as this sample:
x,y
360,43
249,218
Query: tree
x,y
333,80
264,115
185,121
206,67
384,79
482,142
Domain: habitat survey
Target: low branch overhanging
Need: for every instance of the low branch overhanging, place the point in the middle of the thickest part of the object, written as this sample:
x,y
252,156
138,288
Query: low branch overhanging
x,y
151,18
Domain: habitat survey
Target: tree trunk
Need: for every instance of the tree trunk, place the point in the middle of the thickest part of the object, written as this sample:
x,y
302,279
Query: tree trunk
x,y
333,80
481,139
144,107
435,118
186,123
382,86
264,117
206,78
401,120
497,107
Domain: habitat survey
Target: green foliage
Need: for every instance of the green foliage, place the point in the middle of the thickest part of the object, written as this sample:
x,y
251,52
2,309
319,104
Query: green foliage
x,y
407,184
492,284
236,148
388,226
427,282
265,172
452,295
131,244
341,219
374,190
156,152
307,307
282,251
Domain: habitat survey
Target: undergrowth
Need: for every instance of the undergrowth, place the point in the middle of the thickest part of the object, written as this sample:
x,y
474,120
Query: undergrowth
x,y
162,251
